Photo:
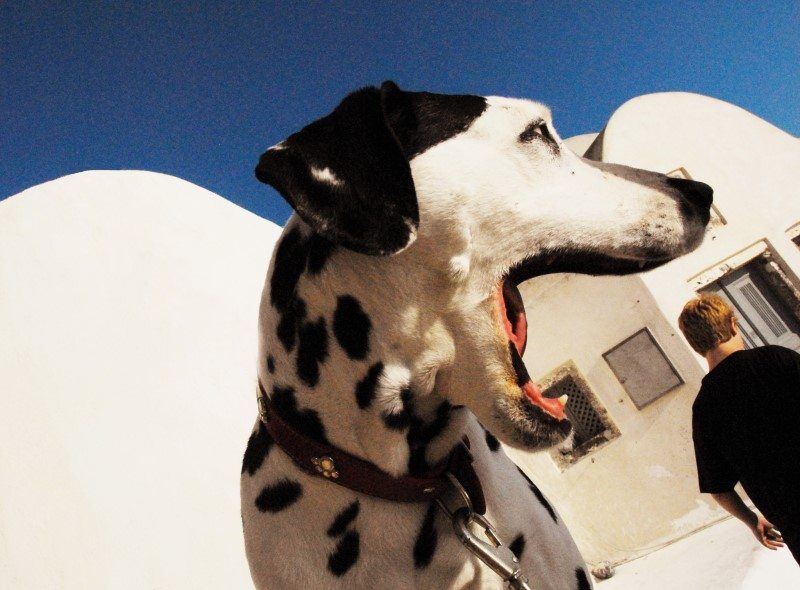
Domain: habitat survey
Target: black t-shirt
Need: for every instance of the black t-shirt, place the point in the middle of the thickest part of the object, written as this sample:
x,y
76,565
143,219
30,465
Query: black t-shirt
x,y
746,427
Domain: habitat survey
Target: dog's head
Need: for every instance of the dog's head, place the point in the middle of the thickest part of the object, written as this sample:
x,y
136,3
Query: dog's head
x,y
481,192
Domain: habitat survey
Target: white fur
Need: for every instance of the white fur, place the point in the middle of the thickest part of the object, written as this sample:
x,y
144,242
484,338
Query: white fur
x,y
394,379
326,175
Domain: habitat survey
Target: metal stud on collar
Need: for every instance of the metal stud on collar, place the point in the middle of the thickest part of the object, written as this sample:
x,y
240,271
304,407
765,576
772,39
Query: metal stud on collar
x,y
325,466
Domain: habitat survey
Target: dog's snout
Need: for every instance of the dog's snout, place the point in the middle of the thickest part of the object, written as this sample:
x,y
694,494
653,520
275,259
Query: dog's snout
x,y
698,193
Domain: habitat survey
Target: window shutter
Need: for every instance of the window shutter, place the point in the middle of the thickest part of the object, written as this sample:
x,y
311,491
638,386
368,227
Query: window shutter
x,y
761,308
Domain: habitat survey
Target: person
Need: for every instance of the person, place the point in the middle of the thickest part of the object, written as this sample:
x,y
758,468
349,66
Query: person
x,y
746,423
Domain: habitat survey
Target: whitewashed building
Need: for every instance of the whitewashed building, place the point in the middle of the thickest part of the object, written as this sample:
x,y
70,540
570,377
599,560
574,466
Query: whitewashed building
x,y
614,345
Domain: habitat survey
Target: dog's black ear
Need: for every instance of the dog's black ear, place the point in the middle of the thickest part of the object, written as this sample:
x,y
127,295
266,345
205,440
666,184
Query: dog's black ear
x,y
346,174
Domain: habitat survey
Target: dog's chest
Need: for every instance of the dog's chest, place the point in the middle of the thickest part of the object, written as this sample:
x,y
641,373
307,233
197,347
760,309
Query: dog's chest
x,y
303,531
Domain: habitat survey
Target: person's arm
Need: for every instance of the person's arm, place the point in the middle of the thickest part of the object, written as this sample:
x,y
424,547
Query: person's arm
x,y
760,526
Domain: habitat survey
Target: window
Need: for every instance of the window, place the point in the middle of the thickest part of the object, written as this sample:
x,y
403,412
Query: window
x,y
590,421
766,304
642,368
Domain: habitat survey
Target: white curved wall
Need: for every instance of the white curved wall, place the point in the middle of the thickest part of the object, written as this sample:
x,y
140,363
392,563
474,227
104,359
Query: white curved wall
x,y
128,309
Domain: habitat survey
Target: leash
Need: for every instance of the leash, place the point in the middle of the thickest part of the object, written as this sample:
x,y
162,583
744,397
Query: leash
x,y
457,506
453,484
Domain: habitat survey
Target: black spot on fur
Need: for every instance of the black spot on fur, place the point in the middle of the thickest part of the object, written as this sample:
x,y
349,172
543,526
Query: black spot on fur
x,y
351,327
270,364
582,579
539,495
365,389
491,441
290,261
306,421
290,320
517,546
258,447
313,349
343,520
286,329
280,495
345,555
421,120
519,366
427,539
402,419
319,250
421,433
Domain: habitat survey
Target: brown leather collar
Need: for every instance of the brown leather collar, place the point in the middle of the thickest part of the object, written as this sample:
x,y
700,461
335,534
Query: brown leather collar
x,y
344,469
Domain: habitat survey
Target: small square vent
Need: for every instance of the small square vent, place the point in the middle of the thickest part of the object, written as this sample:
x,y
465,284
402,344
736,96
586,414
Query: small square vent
x,y
642,368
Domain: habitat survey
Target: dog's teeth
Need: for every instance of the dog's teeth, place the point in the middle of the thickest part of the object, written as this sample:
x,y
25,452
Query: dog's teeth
x,y
563,399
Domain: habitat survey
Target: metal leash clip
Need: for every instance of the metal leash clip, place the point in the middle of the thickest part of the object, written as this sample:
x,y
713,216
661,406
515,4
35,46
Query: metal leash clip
x,y
499,558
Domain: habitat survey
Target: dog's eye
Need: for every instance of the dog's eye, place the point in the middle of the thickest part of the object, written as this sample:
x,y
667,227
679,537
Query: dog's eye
x,y
537,130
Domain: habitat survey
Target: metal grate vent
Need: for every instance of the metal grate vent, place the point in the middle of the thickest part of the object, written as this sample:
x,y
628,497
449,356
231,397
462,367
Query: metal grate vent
x,y
585,420
592,427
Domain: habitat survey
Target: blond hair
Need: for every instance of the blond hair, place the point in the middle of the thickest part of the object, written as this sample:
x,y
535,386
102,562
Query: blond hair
x,y
706,322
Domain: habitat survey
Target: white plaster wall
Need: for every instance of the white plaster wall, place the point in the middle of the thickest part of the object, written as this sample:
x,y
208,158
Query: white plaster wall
x,y
128,309
622,499
640,491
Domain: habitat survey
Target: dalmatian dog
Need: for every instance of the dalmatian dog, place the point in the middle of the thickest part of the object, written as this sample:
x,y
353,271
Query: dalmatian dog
x,y
391,326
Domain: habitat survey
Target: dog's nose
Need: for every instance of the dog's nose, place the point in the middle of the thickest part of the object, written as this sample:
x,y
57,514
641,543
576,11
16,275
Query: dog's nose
x,y
698,193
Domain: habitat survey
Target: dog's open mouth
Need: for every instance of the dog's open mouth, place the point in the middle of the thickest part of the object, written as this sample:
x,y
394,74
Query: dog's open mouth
x,y
512,308
512,313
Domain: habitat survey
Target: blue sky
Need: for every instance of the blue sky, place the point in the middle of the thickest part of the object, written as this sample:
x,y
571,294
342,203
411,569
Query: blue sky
x,y
200,89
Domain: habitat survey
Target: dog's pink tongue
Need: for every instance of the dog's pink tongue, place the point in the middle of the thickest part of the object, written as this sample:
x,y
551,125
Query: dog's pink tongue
x,y
518,335
552,406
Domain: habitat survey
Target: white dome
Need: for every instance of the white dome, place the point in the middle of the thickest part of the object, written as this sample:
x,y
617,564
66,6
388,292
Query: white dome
x,y
128,322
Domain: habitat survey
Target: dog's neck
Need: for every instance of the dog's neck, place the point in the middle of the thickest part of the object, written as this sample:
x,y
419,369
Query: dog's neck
x,y
352,350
